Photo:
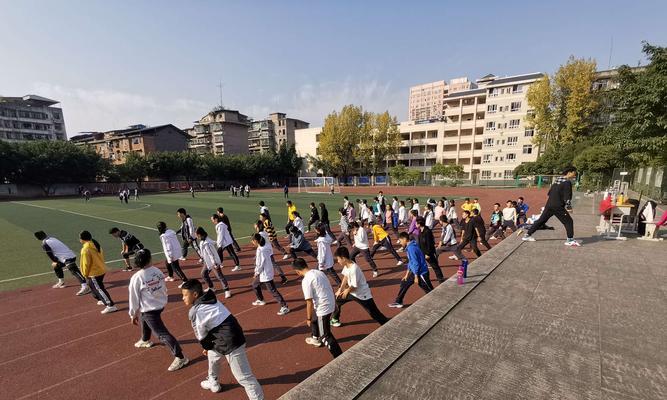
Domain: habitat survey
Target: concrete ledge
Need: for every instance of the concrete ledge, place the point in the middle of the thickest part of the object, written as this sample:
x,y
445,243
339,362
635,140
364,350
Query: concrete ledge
x,y
366,361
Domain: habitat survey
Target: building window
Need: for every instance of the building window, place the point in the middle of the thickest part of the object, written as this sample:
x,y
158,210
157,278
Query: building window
x,y
486,174
516,106
517,89
136,140
510,157
488,142
529,132
509,173
493,92
317,137
492,108
514,123
512,140
527,149
491,126
486,159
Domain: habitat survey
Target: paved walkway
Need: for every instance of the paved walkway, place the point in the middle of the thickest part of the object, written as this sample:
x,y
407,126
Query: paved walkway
x,y
544,321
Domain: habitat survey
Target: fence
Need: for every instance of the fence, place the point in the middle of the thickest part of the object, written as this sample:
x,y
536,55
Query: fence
x,y
650,181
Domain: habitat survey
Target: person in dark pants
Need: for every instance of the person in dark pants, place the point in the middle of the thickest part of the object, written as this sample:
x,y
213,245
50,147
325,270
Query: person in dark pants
x,y
170,247
381,239
320,306
361,246
324,219
495,224
187,232
93,269
225,219
286,191
148,297
62,257
427,246
558,205
447,238
130,245
264,274
417,271
468,236
354,288
480,228
299,243
314,216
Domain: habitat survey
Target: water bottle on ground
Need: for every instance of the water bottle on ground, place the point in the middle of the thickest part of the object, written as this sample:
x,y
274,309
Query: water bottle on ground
x,y
464,265
459,275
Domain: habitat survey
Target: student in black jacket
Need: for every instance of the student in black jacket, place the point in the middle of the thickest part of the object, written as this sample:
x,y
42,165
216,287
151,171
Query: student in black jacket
x,y
468,236
427,246
480,228
314,217
558,204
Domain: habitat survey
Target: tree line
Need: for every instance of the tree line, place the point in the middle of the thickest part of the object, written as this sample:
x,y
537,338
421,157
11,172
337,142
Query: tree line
x,y
45,163
599,129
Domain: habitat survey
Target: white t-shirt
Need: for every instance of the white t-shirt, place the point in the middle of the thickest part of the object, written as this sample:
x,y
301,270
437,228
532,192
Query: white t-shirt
x,y
509,214
357,281
316,286
361,239
147,291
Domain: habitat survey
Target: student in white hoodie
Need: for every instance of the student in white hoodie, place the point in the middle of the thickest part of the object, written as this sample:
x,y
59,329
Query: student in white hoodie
x,y
402,214
171,247
325,259
264,274
211,261
298,222
224,241
259,228
148,297
447,238
361,246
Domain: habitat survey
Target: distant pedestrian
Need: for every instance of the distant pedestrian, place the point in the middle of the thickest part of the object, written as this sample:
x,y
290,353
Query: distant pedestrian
x,y
286,191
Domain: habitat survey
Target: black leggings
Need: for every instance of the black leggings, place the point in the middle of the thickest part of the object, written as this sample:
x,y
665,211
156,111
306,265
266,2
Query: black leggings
x,y
560,213
332,273
386,242
271,287
205,274
174,266
321,328
366,253
152,321
464,243
293,252
368,305
70,264
99,292
424,282
231,252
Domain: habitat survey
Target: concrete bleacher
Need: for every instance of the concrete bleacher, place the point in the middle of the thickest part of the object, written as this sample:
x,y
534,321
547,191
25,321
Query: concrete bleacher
x,y
534,320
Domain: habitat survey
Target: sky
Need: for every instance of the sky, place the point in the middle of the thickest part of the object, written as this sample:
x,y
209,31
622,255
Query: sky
x,y
120,63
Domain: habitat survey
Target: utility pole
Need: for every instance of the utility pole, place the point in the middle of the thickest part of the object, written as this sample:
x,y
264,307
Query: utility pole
x,y
220,87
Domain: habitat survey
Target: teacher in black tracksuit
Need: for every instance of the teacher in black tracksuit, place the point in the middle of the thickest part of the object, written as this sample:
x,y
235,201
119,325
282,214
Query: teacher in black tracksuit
x,y
558,205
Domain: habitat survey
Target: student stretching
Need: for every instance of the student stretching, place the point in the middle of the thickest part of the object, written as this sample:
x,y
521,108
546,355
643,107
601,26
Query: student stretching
x,y
344,228
273,236
314,216
225,219
93,269
220,335
264,274
361,246
325,260
211,261
187,231
495,224
354,288
480,228
170,247
299,243
468,236
62,257
148,297
427,246
447,238
224,241
381,239
417,271
259,228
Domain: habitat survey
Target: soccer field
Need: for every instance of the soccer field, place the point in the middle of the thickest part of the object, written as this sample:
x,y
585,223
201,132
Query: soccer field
x,y
25,263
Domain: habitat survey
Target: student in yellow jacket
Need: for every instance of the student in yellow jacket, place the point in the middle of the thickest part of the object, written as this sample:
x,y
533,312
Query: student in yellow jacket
x,y
94,269
291,207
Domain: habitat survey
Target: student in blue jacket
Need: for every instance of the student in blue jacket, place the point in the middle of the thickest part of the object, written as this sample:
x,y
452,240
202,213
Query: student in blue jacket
x,y
417,270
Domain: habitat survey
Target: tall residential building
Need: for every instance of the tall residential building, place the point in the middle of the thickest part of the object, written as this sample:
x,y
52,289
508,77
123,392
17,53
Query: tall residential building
x,y
221,131
482,128
115,145
270,133
31,117
425,102
307,146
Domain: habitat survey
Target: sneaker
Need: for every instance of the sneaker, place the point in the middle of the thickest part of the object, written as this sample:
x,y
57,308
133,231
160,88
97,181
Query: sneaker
x,y
182,258
109,309
283,311
395,305
528,238
181,285
59,285
400,250
453,258
201,261
285,256
127,269
335,322
382,248
375,274
258,303
228,294
572,243
313,341
178,363
84,290
493,238
237,268
398,264
335,242
211,385
143,344
283,280
169,279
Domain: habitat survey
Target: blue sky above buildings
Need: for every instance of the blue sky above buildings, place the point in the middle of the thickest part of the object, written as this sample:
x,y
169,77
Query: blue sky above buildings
x,y
114,64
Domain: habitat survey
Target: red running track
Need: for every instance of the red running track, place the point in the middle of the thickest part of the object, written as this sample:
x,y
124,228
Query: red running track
x,y
58,346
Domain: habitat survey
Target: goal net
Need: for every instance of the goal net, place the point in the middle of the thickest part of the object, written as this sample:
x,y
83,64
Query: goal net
x,y
318,184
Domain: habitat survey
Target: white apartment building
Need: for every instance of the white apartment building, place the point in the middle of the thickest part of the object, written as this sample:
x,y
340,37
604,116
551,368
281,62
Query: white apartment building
x,y
31,117
482,128
306,146
425,101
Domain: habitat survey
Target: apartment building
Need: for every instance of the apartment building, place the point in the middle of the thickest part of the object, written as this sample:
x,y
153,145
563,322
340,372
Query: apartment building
x,y
426,101
307,146
271,133
31,117
221,131
115,145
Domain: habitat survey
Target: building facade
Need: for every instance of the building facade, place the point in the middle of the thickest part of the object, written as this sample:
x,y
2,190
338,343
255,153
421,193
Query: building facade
x,y
220,131
31,117
115,145
482,127
307,146
271,133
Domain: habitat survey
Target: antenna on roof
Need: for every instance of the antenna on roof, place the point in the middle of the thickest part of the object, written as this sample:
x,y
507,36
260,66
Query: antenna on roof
x,y
220,87
611,50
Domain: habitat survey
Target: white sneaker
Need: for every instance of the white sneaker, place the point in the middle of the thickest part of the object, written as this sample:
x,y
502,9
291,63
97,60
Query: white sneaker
x,y
237,268
84,290
100,303
181,285
382,248
493,238
211,385
201,260
169,279
143,345
283,311
285,257
182,258
453,258
258,303
178,363
335,242
59,285
228,294
375,274
398,264
572,243
313,341
527,238
109,309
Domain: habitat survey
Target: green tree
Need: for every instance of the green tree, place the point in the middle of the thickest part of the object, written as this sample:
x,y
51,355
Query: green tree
x,y
639,117
9,162
563,105
450,171
134,169
165,165
287,162
340,138
379,138
402,175
596,165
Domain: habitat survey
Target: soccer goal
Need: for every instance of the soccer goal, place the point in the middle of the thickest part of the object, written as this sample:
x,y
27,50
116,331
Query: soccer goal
x,y
318,184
